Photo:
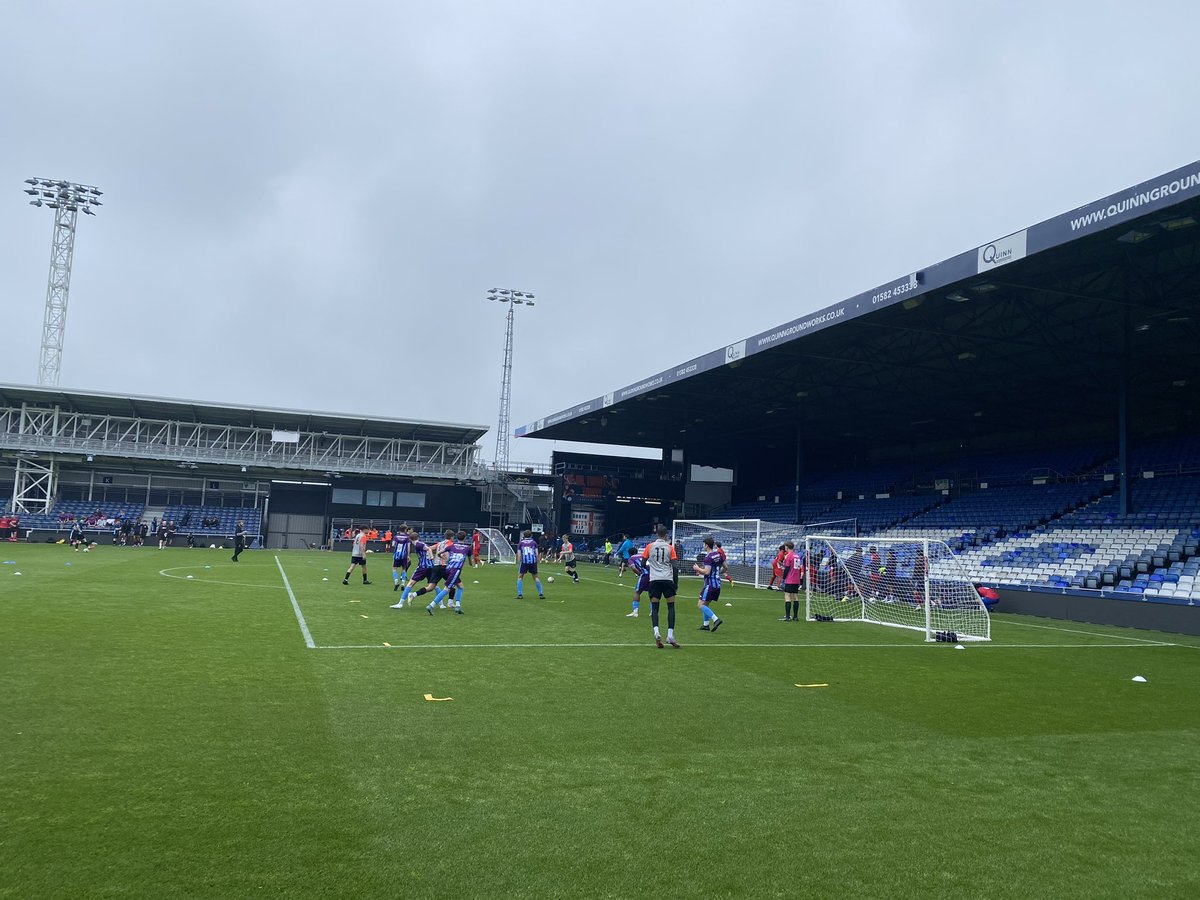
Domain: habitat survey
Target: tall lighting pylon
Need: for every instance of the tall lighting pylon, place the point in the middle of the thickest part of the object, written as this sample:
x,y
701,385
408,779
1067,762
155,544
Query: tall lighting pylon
x,y
67,199
513,299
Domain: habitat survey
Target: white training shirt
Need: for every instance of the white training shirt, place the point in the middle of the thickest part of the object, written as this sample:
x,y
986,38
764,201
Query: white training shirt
x,y
360,545
659,554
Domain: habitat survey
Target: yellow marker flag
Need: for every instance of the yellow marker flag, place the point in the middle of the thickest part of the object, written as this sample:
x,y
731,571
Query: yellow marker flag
x,y
437,699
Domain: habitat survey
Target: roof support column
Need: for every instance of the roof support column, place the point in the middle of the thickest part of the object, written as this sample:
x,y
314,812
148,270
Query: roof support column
x,y
1123,484
799,474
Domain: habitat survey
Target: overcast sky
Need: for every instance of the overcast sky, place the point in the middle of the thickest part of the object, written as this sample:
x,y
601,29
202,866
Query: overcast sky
x,y
306,202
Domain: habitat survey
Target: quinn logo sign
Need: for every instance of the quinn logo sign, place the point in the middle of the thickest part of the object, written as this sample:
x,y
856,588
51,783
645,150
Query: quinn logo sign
x,y
735,352
1001,252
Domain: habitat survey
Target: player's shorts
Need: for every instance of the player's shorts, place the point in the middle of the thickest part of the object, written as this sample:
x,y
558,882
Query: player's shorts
x,y
421,574
453,578
400,564
777,571
791,588
662,589
438,573
570,565
358,560
528,569
643,583
710,594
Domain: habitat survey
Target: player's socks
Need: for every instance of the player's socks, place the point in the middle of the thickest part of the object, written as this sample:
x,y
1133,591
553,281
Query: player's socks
x,y
521,588
537,582
654,604
458,597
440,597
708,614
670,619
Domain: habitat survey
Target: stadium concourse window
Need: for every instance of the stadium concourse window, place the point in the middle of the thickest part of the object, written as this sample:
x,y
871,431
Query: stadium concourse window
x,y
348,497
379,498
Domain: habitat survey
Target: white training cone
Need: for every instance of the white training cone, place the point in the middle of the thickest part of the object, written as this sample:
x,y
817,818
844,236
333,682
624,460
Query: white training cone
x,y
729,604
16,573
191,576
959,647
324,579
1139,678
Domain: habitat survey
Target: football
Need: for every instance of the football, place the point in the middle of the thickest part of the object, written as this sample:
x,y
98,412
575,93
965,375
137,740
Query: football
x,y
550,579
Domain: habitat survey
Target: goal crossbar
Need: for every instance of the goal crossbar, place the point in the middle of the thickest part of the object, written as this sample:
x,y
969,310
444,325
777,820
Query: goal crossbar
x,y
750,545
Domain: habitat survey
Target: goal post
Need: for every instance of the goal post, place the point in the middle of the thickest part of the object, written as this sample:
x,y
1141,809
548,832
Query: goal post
x,y
750,545
495,548
916,584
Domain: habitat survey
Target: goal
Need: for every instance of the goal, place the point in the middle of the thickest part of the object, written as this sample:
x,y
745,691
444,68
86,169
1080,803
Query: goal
x,y
917,584
750,545
494,548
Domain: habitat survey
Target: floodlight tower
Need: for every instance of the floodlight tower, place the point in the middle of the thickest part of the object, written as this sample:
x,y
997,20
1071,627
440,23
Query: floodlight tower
x,y
67,199
513,299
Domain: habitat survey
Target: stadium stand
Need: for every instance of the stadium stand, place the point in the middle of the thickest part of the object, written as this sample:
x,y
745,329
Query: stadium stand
x,y
94,515
221,519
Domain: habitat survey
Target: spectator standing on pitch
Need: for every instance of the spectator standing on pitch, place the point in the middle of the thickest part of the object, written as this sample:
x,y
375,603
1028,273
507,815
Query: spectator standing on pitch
x,y
660,557
566,556
527,550
239,543
710,592
358,555
608,548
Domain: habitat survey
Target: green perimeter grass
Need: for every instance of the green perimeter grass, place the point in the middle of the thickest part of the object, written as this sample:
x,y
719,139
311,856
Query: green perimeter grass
x,y
164,736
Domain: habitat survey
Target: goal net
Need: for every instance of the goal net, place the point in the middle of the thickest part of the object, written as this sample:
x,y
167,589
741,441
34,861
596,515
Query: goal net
x,y
750,545
494,548
917,584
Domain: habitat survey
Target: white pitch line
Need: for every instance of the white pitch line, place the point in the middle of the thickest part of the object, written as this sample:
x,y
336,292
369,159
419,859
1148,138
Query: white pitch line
x,y
296,606
166,573
1091,633
724,646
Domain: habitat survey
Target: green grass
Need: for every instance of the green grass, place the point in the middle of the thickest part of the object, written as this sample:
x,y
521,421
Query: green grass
x,y
164,737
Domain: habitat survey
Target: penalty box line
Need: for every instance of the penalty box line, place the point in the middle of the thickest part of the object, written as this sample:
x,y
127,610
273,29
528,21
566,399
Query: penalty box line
x,y
308,639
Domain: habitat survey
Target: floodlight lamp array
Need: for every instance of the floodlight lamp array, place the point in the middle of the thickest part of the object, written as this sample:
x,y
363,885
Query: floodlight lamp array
x,y
63,195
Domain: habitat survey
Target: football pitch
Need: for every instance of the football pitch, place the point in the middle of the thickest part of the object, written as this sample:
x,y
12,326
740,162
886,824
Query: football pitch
x,y
177,725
